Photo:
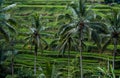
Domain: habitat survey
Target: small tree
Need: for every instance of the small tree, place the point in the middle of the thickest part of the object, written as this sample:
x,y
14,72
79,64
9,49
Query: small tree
x,y
35,36
82,25
5,26
112,21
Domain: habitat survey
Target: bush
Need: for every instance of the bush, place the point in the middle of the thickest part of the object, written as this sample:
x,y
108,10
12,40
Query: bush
x,y
25,73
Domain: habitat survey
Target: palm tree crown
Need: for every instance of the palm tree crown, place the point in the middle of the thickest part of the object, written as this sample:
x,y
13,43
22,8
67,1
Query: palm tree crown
x,y
5,18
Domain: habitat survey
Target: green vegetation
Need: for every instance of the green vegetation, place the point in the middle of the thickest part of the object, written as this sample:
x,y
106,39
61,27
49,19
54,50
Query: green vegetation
x,y
59,39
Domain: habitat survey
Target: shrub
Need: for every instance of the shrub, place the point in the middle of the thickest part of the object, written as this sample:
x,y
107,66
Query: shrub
x,y
25,73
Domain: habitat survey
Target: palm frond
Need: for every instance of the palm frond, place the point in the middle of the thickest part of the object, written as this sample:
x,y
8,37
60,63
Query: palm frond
x,y
11,28
8,7
27,41
65,28
99,26
96,38
73,7
44,42
41,47
106,44
4,33
12,21
82,7
36,19
112,71
102,70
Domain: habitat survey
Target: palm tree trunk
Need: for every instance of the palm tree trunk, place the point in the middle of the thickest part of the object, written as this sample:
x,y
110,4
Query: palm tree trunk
x,y
80,50
81,67
35,59
68,64
114,53
69,60
108,66
35,65
12,59
12,67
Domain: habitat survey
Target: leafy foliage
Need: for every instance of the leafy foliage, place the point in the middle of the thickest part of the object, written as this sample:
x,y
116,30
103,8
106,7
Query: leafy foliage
x,y
4,18
25,73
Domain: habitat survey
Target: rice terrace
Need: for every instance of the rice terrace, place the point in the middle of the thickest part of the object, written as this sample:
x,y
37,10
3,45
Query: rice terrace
x,y
59,38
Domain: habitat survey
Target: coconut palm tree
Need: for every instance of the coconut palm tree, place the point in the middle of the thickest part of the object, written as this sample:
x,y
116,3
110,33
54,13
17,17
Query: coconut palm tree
x,y
112,21
6,26
80,17
13,53
66,41
81,26
35,36
7,51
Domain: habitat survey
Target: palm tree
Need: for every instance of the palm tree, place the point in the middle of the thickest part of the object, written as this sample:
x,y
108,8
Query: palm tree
x,y
82,23
81,20
66,41
65,38
13,53
35,36
112,21
7,51
6,26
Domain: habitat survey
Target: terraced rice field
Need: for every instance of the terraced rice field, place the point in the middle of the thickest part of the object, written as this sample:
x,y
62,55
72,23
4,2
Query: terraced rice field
x,y
50,9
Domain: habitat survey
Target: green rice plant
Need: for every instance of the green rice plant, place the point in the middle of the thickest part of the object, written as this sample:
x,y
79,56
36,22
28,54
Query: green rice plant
x,y
104,73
